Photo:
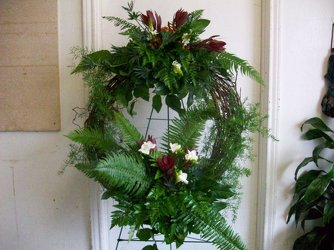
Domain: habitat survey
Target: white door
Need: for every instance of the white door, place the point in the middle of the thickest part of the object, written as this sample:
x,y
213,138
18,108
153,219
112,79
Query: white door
x,y
238,22
40,209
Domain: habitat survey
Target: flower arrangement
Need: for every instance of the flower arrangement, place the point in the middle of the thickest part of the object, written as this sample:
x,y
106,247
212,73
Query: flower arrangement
x,y
181,186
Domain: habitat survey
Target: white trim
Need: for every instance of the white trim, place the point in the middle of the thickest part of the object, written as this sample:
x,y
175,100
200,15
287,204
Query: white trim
x,y
92,34
270,101
92,25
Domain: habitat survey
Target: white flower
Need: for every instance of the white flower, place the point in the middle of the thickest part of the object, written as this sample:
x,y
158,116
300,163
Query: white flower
x,y
177,67
174,147
146,147
185,39
191,156
181,177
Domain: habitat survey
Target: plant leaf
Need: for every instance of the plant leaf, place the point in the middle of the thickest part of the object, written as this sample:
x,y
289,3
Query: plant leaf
x,y
98,58
144,234
142,91
173,102
317,187
303,164
317,123
156,103
315,134
328,212
130,133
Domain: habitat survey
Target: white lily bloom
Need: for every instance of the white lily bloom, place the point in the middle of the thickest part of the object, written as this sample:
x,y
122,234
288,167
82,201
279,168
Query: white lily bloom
x,y
185,39
191,156
146,147
177,67
174,147
181,177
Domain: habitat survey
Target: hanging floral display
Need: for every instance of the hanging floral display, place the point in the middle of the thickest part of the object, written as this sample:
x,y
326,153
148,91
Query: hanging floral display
x,y
180,185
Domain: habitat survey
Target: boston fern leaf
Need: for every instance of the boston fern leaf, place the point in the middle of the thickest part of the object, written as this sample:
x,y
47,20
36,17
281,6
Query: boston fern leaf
x,y
129,133
230,61
184,130
212,226
93,138
119,171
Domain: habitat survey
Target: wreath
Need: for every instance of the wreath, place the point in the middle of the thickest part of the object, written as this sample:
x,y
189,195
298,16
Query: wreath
x,y
184,183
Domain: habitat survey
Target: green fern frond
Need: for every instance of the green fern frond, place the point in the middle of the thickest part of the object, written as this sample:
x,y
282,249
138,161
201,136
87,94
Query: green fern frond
x,y
93,138
232,62
119,171
184,130
120,22
130,134
212,226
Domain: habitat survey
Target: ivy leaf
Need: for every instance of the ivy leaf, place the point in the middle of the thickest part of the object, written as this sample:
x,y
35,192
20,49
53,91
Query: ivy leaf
x,y
173,102
151,247
144,234
141,91
156,103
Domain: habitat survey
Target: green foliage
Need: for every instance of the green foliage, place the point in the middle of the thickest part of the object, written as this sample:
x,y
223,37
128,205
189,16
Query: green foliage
x,y
236,64
211,226
129,133
177,191
184,130
119,171
94,138
314,190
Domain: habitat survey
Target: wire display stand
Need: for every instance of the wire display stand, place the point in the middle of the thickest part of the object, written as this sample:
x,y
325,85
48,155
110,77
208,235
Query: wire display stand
x,y
189,239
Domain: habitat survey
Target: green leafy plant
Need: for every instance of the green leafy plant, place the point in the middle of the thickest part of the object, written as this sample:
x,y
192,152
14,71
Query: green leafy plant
x,y
181,188
314,190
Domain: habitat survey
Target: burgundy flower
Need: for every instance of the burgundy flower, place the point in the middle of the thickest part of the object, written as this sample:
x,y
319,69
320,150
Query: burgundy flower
x,y
151,139
211,44
153,22
180,18
166,163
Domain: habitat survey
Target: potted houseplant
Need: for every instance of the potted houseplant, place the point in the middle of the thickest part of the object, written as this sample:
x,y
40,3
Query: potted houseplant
x,y
179,187
314,190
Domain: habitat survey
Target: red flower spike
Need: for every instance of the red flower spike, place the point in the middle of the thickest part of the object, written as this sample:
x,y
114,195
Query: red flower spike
x,y
152,21
166,163
180,18
211,44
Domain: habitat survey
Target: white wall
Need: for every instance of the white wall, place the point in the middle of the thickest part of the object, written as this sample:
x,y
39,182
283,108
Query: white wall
x,y
40,209
305,30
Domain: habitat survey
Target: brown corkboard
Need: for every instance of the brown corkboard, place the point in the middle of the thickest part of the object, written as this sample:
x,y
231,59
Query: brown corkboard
x,y
29,72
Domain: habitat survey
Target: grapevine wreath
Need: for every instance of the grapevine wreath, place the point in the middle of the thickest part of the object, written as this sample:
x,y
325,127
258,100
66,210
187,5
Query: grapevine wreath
x,y
184,183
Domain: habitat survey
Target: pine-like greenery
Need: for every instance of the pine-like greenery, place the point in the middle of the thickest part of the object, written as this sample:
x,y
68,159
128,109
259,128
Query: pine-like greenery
x,y
174,64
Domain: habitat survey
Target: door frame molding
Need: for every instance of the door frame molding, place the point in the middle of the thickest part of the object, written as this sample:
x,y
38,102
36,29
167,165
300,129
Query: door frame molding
x,y
270,62
270,104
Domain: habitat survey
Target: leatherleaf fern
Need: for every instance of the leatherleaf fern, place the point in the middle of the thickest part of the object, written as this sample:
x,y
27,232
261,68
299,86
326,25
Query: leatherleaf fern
x,y
186,182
